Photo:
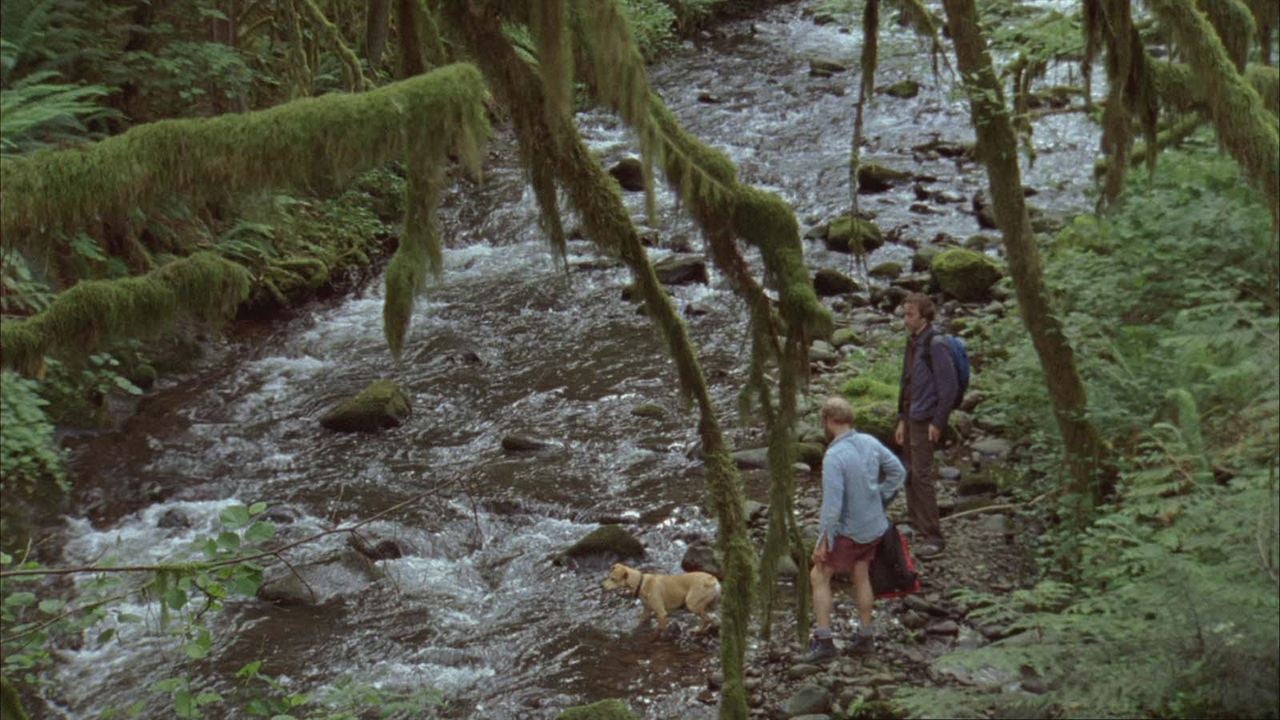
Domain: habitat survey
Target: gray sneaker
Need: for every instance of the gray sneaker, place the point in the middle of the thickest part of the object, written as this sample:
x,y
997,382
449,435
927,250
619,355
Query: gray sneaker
x,y
821,650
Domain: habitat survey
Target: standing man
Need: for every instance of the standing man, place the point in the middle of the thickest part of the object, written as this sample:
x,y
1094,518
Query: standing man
x,y
926,397
859,477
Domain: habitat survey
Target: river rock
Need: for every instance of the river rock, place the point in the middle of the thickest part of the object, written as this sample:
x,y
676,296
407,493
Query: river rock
x,y
701,558
965,275
681,270
808,700
648,410
946,148
825,67
949,474
923,259
846,235
606,540
982,209
887,270
946,627
629,172
378,548
996,449
844,337
902,89
824,18
173,519
874,178
975,484
380,405
979,243
755,511
752,459
821,351
962,422
914,282
828,282
709,98
810,454
313,583
525,443
604,710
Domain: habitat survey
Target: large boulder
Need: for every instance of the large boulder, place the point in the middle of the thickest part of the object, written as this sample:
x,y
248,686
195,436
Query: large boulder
x,y
629,172
965,275
902,89
311,584
606,540
681,270
701,557
875,407
603,710
808,700
873,178
380,405
828,282
847,234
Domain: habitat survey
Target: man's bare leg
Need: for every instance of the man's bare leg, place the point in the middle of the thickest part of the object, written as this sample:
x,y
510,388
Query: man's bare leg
x,y
862,596
820,579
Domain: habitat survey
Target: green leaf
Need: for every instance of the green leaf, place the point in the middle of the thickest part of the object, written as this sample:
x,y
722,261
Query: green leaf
x,y
128,618
205,698
228,540
175,597
106,635
260,532
257,508
184,705
235,516
20,599
250,670
51,606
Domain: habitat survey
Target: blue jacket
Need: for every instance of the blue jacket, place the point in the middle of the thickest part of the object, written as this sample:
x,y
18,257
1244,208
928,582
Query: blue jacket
x,y
859,477
933,394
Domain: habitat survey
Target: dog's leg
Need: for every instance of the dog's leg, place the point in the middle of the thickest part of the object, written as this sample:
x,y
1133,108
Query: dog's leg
x,y
662,620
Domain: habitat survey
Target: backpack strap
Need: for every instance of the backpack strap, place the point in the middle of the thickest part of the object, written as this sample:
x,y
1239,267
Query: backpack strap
x,y
932,334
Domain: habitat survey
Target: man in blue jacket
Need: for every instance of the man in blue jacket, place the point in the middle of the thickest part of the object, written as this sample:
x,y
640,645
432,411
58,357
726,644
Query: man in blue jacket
x,y
926,396
859,477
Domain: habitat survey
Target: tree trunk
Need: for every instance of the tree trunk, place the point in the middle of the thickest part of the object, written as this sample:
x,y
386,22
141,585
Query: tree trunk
x,y
377,20
1087,457
408,17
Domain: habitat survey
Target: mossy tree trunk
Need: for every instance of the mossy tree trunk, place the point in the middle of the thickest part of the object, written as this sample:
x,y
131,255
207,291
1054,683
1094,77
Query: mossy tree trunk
x,y
377,23
1087,457
607,222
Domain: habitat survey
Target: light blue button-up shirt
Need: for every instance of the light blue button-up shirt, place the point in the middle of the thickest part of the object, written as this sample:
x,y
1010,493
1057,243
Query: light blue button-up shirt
x,y
859,477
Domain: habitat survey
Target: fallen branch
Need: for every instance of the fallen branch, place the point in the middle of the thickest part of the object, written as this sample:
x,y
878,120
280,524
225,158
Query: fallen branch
x,y
998,508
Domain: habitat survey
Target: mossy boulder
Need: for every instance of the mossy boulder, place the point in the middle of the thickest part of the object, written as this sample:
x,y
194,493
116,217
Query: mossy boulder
x,y
380,405
923,259
978,243
902,89
846,336
810,454
604,710
828,282
886,270
875,406
847,234
648,410
873,178
607,540
965,275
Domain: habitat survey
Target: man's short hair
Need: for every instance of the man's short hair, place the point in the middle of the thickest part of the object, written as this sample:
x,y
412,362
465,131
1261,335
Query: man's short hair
x,y
923,304
837,410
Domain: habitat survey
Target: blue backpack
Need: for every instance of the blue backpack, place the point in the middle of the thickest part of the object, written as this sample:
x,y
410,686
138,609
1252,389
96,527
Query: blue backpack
x,y
959,358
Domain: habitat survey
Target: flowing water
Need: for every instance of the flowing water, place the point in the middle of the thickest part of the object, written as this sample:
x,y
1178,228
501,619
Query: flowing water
x,y
508,343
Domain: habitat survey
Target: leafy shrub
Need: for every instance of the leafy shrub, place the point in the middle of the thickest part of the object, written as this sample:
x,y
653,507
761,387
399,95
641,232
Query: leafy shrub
x,y
29,455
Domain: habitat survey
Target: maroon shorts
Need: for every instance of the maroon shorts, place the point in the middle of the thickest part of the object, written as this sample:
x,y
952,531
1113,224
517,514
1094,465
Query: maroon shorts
x,y
848,553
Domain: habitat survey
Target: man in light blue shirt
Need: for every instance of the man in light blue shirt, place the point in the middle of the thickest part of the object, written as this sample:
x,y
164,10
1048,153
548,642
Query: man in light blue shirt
x,y
859,478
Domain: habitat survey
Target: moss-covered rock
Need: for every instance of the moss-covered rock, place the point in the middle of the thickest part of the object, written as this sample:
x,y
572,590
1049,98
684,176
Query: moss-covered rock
x,y
606,540
875,406
846,336
978,243
380,405
810,454
923,259
648,410
965,275
902,89
681,270
604,710
629,172
887,270
873,178
825,67
847,235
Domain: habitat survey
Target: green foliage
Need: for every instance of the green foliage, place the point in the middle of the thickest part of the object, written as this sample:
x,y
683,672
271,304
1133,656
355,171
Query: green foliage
x,y
29,455
40,114
653,23
1166,604
185,79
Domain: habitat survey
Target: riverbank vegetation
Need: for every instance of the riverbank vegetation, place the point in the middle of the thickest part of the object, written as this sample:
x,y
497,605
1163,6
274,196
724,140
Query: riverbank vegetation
x,y
1138,375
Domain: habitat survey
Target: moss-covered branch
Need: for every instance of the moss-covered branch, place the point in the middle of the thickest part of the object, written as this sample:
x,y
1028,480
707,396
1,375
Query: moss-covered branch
x,y
351,70
303,141
1243,123
203,286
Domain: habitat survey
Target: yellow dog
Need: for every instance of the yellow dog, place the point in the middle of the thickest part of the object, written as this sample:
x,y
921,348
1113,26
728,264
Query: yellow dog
x,y
697,591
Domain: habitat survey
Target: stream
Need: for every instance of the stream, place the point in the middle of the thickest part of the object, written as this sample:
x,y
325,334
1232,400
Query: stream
x,y
509,343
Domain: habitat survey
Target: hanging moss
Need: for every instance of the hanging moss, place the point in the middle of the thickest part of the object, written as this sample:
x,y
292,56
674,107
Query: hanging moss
x,y
299,142
203,286
1234,23
1244,125
351,71
870,38
1266,16
555,59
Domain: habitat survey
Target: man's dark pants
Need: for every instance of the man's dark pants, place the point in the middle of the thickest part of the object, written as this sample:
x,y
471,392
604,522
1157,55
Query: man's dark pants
x,y
922,498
